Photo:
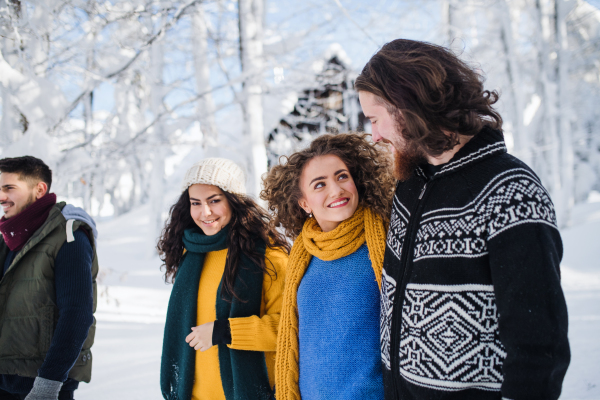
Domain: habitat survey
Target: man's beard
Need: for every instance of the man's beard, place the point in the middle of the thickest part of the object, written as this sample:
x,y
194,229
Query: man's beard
x,y
406,160
29,202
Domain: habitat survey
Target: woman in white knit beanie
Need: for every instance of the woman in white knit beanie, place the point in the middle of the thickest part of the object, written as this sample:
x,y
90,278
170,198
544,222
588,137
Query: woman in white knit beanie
x,y
228,269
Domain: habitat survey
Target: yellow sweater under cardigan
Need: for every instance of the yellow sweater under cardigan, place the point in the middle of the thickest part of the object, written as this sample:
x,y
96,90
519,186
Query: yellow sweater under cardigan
x,y
250,333
363,226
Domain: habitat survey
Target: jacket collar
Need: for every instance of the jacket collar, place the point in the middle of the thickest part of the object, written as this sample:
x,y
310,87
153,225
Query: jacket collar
x,y
487,143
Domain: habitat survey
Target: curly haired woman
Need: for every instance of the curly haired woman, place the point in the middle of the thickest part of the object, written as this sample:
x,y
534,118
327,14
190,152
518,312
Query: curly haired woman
x,y
334,198
228,269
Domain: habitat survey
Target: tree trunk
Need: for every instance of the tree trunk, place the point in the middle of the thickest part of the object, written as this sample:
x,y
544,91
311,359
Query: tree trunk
x,y
546,160
522,145
158,141
6,128
563,105
447,34
555,162
251,52
205,107
88,102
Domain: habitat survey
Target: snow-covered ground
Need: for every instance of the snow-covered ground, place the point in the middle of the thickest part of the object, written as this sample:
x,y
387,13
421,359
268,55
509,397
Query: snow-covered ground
x,y
581,281
133,300
132,305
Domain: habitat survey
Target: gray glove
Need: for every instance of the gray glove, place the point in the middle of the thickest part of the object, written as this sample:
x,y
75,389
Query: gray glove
x,y
44,389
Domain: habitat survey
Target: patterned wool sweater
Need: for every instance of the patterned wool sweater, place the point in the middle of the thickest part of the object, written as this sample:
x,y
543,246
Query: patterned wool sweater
x,y
471,304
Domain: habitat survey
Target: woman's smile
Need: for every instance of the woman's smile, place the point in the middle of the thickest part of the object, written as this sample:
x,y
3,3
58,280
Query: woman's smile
x,y
328,191
339,203
209,208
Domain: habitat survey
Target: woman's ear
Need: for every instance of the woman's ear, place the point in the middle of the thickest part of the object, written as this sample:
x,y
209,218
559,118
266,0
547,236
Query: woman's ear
x,y
304,204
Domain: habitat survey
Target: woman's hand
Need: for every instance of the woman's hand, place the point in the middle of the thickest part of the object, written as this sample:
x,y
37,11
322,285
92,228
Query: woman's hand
x,y
201,337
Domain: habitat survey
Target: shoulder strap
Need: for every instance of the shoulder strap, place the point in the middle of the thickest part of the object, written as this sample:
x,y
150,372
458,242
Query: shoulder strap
x,y
70,236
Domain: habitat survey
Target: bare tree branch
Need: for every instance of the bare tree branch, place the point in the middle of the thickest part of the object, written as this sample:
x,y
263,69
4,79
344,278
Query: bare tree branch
x,y
347,14
160,33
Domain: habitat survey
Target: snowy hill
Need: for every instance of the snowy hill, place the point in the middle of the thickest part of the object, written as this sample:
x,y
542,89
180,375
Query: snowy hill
x,y
132,305
133,301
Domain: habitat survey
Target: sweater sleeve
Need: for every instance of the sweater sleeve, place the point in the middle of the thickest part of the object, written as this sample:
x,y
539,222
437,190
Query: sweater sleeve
x,y
525,250
260,333
73,282
221,332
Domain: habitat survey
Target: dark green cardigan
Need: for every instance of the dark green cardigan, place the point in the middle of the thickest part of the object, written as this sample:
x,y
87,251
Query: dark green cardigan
x,y
243,373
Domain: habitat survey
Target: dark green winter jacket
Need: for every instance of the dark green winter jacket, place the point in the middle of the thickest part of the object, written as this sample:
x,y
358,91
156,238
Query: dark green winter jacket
x,y
28,310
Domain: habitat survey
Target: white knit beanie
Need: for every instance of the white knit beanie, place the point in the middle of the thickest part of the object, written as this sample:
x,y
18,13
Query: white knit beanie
x,y
220,172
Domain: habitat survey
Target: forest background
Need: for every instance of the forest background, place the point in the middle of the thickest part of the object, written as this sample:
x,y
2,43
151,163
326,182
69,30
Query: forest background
x,y
121,97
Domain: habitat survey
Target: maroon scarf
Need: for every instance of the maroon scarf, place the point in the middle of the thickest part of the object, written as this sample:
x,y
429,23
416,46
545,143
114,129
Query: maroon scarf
x,y
18,229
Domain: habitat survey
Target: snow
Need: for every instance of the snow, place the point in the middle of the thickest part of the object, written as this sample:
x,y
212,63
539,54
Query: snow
x,y
126,362
163,101
133,299
581,282
132,307
104,93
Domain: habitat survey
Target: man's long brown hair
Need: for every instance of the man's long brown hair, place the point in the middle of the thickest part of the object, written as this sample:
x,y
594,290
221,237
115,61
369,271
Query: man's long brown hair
x,y
428,90
249,223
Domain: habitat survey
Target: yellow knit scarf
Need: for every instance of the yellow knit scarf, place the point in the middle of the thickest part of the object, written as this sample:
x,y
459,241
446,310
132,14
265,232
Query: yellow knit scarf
x,y
312,241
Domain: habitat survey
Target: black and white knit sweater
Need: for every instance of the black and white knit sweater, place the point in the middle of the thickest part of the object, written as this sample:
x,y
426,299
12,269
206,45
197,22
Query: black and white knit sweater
x,y
471,304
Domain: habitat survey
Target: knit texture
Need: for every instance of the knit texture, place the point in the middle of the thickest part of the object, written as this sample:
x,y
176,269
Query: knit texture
x,y
259,333
44,389
178,358
471,304
254,333
243,373
221,333
74,299
338,316
48,296
17,230
363,226
207,377
219,172
73,281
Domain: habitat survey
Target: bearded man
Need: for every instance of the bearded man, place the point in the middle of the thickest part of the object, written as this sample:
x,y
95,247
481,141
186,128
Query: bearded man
x,y
48,269
471,302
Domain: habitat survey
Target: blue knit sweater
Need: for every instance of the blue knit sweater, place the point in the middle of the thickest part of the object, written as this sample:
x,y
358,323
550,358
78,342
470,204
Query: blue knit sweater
x,y
338,309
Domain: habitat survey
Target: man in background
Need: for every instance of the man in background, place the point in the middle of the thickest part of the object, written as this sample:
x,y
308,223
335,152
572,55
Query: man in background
x,y
48,269
472,306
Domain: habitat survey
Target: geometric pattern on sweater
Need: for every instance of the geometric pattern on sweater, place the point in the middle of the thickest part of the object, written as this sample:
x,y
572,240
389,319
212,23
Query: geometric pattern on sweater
x,y
485,182
481,153
512,198
388,291
397,230
450,339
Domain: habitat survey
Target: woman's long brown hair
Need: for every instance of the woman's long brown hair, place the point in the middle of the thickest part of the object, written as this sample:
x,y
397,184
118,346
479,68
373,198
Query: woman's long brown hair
x,y
249,223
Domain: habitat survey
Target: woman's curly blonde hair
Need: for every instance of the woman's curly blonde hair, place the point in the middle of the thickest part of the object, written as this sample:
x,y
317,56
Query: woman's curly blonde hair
x,y
368,163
